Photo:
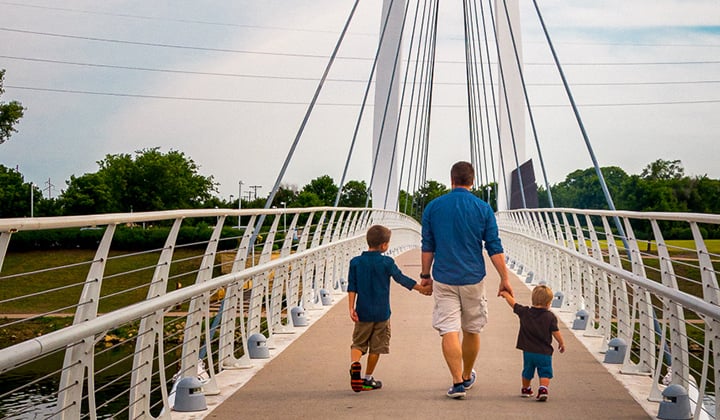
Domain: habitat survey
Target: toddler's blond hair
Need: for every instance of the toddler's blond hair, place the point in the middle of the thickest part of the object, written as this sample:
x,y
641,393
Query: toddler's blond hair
x,y
542,295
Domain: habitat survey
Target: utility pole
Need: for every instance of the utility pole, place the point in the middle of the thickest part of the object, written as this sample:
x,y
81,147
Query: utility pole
x,y
32,199
239,196
240,183
255,188
49,188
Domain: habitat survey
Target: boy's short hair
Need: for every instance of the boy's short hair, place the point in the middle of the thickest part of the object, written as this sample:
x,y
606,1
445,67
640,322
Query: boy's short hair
x,y
377,235
542,295
462,173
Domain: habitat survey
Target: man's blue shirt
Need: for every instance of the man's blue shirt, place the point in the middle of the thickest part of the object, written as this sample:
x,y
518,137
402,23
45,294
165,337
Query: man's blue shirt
x,y
369,277
454,228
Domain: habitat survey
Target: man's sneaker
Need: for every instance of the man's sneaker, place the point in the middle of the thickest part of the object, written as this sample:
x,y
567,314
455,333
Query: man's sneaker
x,y
370,384
542,394
356,382
526,393
468,383
456,391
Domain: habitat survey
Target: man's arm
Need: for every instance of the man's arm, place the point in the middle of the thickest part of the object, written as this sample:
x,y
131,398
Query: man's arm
x,y
498,261
426,260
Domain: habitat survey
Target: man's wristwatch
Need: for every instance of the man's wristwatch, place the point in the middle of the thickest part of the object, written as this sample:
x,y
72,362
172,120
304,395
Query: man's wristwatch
x,y
424,276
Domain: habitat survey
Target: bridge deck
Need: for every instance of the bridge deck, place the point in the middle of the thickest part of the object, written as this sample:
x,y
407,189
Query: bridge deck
x,y
309,379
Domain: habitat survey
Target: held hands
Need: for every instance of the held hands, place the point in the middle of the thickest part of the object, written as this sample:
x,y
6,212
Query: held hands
x,y
427,283
425,289
508,297
505,287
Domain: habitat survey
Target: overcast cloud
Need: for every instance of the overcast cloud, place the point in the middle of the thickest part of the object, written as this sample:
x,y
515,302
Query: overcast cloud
x,y
611,51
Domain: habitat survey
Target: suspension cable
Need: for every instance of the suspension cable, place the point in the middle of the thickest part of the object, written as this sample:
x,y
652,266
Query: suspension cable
x,y
495,110
600,176
509,117
485,96
421,108
362,110
527,103
399,116
402,101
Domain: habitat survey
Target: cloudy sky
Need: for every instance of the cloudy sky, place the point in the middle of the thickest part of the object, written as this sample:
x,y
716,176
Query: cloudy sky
x,y
228,84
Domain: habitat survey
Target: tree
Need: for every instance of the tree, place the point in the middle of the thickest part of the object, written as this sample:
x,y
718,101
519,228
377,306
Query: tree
x,y
10,113
15,194
324,188
354,194
307,199
430,191
150,181
87,194
663,170
581,188
285,194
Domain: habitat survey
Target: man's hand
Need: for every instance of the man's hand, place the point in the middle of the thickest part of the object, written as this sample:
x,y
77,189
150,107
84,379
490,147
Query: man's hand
x,y
354,316
505,287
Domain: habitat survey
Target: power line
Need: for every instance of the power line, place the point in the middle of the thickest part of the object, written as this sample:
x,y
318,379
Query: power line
x,y
165,19
314,79
176,46
252,101
322,56
282,28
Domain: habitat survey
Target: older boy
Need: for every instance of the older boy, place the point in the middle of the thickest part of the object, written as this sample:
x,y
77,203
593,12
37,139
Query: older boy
x,y
369,304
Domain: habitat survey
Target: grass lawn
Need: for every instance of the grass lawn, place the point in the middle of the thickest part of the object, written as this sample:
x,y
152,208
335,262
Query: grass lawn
x,y
66,283
675,247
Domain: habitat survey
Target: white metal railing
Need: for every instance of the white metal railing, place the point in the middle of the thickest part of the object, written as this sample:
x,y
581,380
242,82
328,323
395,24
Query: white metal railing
x,y
659,296
130,327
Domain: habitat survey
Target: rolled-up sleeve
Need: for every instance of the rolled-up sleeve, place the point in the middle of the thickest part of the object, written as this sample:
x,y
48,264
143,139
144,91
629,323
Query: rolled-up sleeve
x,y
492,238
428,239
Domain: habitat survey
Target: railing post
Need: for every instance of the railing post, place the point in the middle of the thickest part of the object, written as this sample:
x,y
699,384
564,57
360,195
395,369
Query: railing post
x,y
600,279
150,334
234,306
79,357
619,289
642,310
678,343
199,315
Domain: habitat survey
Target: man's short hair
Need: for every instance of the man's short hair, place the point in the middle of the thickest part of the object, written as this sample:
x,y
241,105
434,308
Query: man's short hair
x,y
377,235
542,295
462,173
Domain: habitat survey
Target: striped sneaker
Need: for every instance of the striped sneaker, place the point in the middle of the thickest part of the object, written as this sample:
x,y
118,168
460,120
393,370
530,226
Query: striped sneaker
x,y
542,394
356,382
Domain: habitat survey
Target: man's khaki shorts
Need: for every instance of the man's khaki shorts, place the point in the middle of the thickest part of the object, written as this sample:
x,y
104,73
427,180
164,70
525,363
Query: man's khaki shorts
x,y
459,307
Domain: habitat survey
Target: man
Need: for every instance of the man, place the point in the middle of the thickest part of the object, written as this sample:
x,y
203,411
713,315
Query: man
x,y
454,228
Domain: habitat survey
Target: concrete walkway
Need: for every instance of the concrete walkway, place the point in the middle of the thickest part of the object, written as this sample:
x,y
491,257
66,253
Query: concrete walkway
x,y
309,379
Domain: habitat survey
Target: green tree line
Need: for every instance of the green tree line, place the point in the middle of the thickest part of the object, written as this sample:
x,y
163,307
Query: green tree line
x,y
661,187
